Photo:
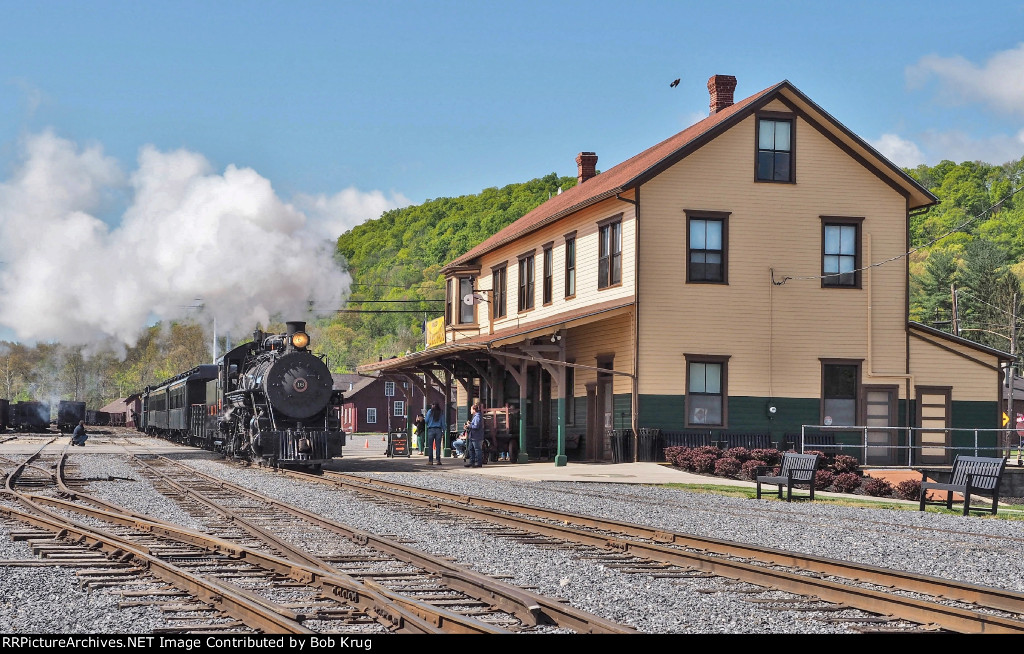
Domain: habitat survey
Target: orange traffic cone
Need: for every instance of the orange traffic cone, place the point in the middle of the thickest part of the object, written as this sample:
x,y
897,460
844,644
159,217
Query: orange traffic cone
x,y
367,446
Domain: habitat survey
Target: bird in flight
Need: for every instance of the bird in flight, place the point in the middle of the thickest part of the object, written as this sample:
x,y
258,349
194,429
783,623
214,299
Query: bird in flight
x,y
674,84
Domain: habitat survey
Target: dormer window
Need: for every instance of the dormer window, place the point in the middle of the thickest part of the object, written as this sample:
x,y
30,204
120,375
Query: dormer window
x,y
774,149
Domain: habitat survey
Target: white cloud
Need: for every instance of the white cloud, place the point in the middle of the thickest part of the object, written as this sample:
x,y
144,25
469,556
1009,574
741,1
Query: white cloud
x,y
998,84
899,150
958,146
333,215
188,232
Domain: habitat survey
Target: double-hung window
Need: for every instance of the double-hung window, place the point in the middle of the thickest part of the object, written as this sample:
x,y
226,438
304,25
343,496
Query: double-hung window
x,y
774,149
371,415
707,239
526,282
570,265
609,262
549,276
399,408
706,394
499,299
840,248
840,388
467,312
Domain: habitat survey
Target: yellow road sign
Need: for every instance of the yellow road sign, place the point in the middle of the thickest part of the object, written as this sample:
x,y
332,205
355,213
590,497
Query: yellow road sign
x,y
1006,419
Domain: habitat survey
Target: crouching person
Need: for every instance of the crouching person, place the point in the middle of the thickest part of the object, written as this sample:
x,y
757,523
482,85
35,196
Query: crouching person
x,y
79,436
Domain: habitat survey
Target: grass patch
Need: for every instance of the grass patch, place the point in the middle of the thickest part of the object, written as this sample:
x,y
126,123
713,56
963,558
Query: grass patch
x,y
855,501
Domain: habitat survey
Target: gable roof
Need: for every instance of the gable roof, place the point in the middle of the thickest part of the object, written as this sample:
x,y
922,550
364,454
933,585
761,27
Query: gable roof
x,y
638,169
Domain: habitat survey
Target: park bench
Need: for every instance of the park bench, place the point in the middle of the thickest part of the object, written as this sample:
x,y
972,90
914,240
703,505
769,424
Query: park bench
x,y
795,469
748,441
970,474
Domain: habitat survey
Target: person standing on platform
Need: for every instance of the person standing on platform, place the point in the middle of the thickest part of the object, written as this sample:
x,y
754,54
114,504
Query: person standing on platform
x,y
475,429
435,432
419,432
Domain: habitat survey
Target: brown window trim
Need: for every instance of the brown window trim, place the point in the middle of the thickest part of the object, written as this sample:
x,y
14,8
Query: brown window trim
x,y
519,305
776,115
570,237
601,224
503,266
723,216
858,261
476,318
547,255
707,358
857,411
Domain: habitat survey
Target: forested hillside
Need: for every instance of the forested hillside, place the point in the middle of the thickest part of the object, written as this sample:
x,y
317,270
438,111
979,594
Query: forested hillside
x,y
970,245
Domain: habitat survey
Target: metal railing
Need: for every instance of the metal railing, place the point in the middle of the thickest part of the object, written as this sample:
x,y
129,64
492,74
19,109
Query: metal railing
x,y
1008,442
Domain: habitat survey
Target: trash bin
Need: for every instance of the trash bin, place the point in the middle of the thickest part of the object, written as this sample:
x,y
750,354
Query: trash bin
x,y
622,446
648,449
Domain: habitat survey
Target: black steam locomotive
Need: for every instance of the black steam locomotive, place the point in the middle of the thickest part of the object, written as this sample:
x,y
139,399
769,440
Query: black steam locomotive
x,y
271,400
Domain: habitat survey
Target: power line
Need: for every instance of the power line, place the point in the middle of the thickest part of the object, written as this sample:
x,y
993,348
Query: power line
x,y
899,256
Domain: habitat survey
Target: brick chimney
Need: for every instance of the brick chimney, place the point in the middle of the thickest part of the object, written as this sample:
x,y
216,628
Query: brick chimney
x,y
586,163
721,87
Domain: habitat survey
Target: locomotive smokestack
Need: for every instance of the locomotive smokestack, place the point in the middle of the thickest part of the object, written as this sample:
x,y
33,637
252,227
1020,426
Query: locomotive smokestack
x,y
295,326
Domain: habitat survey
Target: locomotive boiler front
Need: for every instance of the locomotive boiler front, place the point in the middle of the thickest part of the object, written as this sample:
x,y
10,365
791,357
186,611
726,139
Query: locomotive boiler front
x,y
297,384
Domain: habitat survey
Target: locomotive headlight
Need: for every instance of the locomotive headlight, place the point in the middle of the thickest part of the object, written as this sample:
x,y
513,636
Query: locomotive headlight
x,y
300,339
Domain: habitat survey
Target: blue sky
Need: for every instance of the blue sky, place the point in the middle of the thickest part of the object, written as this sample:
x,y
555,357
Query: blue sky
x,y
345,109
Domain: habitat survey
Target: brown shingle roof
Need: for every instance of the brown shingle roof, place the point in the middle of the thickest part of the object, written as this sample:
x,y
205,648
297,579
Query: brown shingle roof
x,y
651,161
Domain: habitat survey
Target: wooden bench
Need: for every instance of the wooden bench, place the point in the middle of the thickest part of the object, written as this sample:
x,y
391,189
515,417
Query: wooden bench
x,y
795,469
749,441
970,474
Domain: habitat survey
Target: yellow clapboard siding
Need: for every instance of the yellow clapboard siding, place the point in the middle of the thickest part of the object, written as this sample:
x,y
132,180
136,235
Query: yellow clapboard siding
x,y
774,335
932,365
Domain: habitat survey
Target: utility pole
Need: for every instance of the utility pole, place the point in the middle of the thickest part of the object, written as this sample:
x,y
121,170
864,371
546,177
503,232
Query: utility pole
x,y
956,313
1009,367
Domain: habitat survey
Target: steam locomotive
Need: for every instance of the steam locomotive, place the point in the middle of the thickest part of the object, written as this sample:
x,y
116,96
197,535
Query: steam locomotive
x,y
271,401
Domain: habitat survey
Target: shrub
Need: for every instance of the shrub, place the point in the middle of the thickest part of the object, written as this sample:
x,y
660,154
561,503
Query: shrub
x,y
739,453
823,459
844,463
769,457
727,467
685,459
672,452
908,489
876,487
704,462
748,470
823,479
846,482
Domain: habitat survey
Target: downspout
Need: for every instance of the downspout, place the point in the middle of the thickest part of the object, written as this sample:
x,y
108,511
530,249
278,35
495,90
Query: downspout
x,y
635,397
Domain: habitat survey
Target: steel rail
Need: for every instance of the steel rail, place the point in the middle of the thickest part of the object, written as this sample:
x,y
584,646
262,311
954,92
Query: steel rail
x,y
394,609
251,609
922,612
531,608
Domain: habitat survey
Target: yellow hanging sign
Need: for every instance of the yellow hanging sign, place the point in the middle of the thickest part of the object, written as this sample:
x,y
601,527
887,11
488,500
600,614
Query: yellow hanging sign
x,y
435,332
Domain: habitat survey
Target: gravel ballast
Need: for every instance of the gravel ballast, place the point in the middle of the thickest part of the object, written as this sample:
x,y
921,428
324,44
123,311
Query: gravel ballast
x,y
977,550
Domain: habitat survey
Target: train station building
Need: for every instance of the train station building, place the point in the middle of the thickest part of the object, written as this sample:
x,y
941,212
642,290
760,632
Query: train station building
x,y
746,275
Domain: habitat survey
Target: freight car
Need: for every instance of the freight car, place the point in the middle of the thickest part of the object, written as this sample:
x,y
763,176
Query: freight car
x,y
270,401
69,414
5,414
30,416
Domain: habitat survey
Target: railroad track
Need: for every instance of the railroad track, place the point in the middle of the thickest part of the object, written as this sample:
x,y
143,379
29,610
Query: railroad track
x,y
384,583
891,598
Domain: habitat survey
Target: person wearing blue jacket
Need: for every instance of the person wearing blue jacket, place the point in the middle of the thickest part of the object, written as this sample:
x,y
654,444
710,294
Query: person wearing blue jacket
x,y
435,432
475,429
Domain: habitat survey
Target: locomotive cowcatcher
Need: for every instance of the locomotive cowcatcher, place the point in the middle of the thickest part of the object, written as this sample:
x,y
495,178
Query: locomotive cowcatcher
x,y
271,401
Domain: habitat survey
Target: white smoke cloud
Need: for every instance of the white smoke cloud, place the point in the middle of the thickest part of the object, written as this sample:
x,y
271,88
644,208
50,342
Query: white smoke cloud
x,y
188,232
334,215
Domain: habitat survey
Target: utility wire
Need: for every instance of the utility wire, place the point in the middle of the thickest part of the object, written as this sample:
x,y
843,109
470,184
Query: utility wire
x,y
905,254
